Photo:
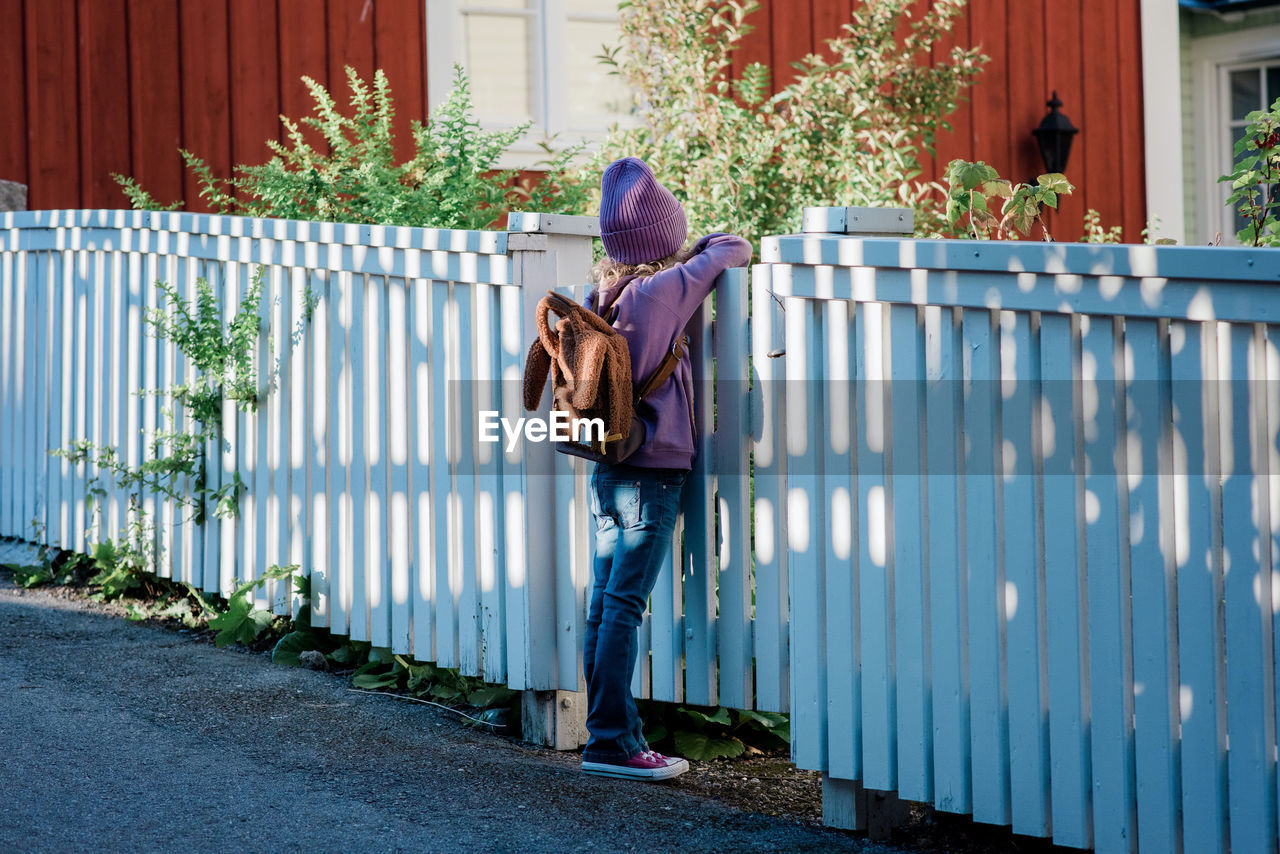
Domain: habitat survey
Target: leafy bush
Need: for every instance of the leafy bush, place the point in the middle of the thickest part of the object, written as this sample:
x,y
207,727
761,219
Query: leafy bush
x,y
713,733
451,181
850,130
974,188
1255,180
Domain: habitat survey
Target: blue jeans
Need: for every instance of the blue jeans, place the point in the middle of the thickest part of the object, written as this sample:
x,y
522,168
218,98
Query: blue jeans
x,y
635,511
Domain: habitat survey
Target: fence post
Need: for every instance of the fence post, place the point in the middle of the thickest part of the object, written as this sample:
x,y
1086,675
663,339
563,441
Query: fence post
x,y
545,593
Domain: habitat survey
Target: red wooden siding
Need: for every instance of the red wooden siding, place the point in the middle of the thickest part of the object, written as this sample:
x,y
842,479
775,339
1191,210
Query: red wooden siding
x,y
91,87
1088,50
120,85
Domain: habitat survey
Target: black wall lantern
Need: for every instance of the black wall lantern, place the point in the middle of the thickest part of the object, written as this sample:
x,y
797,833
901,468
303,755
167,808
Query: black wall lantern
x,y
1054,136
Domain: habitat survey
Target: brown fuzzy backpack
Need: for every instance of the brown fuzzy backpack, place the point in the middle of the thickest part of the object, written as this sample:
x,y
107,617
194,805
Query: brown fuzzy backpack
x,y
590,369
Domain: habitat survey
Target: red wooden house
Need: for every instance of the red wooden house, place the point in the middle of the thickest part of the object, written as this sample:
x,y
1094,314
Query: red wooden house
x,y
91,87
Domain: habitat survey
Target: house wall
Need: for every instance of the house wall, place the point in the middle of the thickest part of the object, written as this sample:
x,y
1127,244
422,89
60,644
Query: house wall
x,y
118,85
102,86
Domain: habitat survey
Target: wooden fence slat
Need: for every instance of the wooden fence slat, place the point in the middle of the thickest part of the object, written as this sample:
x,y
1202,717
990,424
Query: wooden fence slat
x,y
488,507
1023,592
150,402
423,462
185,548
1155,650
45,382
399,512
341,416
909,530
1197,493
58,331
272,485
733,510
806,534
462,376
8,393
698,498
768,402
983,532
31,450
24,402
875,595
665,603
296,441
328,597
446,644
358,566
1066,629
840,538
948,596
374,410
1247,588
131,400
1110,643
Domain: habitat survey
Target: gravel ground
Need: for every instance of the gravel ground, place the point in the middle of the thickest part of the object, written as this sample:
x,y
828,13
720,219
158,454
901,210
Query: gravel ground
x,y
119,735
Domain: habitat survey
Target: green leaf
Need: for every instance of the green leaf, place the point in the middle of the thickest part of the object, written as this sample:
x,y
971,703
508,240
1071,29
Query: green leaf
x,y
376,681
970,176
490,695
701,747
768,720
720,716
288,649
1055,181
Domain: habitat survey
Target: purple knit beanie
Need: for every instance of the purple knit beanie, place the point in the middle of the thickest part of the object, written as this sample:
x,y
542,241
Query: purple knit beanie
x,y
640,221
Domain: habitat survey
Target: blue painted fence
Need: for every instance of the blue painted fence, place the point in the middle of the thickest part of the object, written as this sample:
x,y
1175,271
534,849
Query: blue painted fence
x,y
1010,546
362,463
1028,498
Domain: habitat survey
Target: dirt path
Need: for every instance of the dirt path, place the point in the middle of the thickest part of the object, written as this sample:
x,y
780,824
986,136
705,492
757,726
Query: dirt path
x,y
123,736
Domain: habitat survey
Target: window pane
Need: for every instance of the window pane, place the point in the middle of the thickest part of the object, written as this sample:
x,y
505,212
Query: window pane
x,y
595,7
1273,85
1246,92
497,4
593,91
499,67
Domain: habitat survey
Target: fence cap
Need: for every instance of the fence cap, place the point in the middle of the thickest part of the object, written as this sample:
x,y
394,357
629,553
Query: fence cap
x,y
542,223
887,221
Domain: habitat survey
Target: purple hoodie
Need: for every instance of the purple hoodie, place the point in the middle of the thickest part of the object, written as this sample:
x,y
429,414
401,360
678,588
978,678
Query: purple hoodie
x,y
652,313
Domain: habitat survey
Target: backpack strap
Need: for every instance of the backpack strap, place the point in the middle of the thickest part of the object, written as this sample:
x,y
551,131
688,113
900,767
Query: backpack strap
x,y
664,370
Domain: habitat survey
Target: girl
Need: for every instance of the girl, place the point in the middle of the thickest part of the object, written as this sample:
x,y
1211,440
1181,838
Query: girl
x,y
655,285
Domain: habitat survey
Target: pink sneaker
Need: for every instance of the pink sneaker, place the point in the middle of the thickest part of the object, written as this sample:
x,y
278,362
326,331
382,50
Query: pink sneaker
x,y
649,765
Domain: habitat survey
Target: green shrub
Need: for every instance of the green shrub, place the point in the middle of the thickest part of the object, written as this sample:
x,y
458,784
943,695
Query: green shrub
x,y
1255,178
451,181
850,130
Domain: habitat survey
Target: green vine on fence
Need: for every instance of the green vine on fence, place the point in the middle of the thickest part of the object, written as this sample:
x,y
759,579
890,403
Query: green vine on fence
x,y
177,466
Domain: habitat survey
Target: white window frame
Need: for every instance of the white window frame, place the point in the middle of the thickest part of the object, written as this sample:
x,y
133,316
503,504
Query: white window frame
x,y
1211,58
446,46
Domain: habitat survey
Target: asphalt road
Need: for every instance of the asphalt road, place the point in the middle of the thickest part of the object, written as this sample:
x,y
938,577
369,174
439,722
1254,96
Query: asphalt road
x,y
117,736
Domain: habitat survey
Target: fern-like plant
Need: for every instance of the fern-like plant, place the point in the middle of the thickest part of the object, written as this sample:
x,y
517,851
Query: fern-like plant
x,y
451,181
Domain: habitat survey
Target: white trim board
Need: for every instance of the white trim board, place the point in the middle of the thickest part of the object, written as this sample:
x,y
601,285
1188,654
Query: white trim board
x,y
1162,117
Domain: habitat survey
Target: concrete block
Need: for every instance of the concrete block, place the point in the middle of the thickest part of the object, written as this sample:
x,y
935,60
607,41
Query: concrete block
x,y
13,196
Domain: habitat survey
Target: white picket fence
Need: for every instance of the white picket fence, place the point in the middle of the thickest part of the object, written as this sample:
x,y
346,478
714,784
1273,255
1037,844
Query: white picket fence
x,y
362,463
1028,499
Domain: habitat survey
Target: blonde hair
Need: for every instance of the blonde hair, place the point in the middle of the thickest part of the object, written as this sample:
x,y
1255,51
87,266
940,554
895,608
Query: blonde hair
x,y
606,272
